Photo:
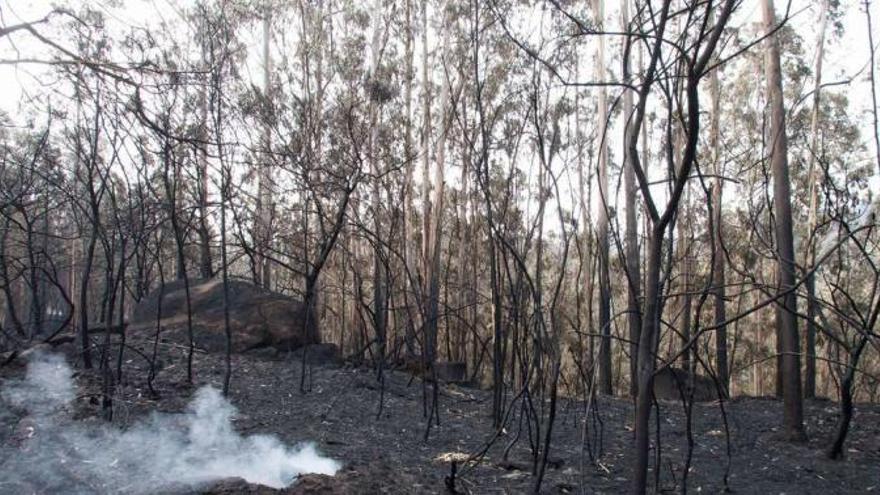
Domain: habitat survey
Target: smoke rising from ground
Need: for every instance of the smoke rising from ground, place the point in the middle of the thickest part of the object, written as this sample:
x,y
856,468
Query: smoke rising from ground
x,y
49,452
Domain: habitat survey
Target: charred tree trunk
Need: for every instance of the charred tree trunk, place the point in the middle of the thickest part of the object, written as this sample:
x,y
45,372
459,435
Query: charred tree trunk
x,y
171,182
846,400
89,256
786,309
695,70
10,299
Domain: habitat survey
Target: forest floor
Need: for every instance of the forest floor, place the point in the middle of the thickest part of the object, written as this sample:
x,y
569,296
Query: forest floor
x,y
386,453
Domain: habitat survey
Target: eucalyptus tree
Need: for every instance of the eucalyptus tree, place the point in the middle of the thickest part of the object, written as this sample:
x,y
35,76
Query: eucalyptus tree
x,y
815,179
633,272
697,56
722,367
786,312
376,98
90,173
605,378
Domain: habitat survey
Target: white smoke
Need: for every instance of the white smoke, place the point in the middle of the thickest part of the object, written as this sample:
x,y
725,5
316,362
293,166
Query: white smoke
x,y
47,386
50,452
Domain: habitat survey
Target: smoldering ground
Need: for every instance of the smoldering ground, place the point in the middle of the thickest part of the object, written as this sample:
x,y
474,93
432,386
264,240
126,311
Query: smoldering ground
x,y
50,452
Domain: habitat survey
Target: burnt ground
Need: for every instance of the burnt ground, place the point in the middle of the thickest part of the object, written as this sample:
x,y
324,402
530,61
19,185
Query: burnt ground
x,y
387,454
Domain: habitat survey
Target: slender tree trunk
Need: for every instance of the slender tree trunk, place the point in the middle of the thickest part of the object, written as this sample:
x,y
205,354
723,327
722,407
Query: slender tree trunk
x,y
605,378
115,282
434,227
464,287
647,342
718,247
683,221
225,179
10,309
263,234
122,329
633,275
660,222
94,197
409,156
482,174
429,321
35,282
426,140
206,268
846,400
224,267
379,272
815,178
171,188
684,247
793,417
85,344
585,190
317,24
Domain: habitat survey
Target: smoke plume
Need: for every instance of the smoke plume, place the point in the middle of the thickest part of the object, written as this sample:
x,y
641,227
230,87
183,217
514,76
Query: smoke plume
x,y
47,451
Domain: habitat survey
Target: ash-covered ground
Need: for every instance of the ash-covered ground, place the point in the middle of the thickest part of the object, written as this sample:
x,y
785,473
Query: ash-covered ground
x,y
387,453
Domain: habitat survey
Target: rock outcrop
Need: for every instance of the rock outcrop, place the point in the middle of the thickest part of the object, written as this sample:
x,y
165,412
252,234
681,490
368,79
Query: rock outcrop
x,y
257,317
670,383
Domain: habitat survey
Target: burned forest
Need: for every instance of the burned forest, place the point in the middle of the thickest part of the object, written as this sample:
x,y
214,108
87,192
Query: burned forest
x,y
439,246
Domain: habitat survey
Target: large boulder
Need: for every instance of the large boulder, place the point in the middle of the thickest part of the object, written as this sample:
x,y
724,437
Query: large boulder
x,y
257,317
670,383
444,371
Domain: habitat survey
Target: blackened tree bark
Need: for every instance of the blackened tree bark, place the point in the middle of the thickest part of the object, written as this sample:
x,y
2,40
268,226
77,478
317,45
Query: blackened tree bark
x,y
786,309
846,400
696,64
95,184
171,182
